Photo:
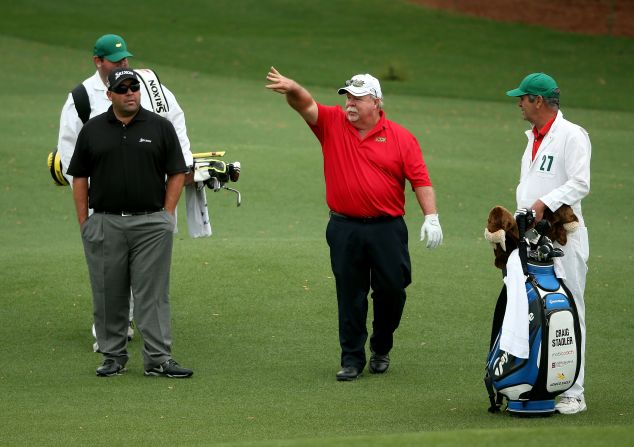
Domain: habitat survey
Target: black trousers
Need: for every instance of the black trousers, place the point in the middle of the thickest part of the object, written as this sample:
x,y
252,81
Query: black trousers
x,y
368,254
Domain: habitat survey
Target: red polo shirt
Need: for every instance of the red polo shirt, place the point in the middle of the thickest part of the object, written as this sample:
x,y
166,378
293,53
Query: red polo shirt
x,y
540,134
366,177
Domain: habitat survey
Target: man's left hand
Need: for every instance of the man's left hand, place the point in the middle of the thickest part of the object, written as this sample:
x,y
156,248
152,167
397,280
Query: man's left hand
x,y
431,229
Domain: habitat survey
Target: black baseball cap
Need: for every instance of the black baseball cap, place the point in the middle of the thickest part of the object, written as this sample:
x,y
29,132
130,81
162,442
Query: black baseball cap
x,y
118,75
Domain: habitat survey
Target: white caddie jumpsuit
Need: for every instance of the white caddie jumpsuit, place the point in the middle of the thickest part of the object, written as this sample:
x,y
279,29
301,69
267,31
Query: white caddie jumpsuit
x,y
560,174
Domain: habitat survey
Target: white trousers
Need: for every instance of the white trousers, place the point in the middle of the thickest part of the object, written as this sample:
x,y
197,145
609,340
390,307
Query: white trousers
x,y
572,268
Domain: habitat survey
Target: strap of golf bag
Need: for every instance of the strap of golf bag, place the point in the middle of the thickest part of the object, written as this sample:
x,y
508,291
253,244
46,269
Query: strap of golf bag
x,y
82,103
154,90
498,316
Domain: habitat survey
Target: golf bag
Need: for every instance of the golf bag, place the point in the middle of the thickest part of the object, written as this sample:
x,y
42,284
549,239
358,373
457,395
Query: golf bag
x,y
215,174
530,385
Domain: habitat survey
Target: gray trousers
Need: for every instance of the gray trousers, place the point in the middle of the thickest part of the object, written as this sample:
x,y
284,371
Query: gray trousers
x,y
131,253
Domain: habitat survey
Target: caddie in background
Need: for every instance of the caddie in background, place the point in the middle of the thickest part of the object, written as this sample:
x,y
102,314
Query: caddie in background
x,y
90,99
367,159
127,153
555,171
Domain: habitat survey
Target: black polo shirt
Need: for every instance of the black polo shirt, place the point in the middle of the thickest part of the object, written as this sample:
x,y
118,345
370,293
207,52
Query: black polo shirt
x,y
127,164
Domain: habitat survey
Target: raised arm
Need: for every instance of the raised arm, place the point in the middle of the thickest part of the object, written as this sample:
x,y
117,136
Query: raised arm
x,y
297,96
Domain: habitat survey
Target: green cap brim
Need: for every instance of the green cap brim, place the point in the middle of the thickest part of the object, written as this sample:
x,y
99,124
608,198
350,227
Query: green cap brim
x,y
516,92
116,57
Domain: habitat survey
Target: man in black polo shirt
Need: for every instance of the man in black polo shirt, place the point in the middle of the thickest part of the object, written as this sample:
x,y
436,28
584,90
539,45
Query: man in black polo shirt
x,y
127,153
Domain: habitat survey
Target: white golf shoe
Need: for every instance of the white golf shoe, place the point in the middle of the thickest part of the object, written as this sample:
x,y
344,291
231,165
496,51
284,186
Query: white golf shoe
x,y
571,405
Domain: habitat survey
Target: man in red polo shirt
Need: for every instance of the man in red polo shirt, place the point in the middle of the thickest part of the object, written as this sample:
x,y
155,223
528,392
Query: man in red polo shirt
x,y
367,159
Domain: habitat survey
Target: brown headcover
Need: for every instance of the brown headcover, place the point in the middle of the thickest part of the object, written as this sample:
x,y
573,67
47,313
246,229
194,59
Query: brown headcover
x,y
502,232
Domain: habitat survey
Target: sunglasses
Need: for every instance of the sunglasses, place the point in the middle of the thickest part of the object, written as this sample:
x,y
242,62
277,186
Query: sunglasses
x,y
355,83
358,83
123,89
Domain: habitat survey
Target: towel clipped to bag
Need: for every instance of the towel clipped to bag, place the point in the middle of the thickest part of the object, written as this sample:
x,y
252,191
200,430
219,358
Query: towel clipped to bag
x,y
514,336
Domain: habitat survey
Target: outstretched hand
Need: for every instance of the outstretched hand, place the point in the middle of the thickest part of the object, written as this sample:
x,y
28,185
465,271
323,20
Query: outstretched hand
x,y
297,96
279,83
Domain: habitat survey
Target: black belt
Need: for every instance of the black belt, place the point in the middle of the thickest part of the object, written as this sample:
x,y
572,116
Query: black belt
x,y
340,216
129,213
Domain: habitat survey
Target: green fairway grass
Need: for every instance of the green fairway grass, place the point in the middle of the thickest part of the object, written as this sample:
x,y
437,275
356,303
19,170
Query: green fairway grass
x,y
254,306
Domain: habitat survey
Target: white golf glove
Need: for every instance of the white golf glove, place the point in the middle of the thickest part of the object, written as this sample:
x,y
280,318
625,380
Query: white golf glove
x,y
431,229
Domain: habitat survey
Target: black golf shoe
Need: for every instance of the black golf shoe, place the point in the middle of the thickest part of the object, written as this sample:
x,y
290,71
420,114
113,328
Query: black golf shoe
x,y
348,373
169,369
379,363
110,368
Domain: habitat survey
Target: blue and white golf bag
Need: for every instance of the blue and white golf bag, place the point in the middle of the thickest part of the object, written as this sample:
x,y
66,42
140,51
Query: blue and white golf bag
x,y
531,385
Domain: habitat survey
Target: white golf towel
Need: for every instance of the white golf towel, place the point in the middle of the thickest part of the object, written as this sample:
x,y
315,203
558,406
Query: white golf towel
x,y
514,337
198,220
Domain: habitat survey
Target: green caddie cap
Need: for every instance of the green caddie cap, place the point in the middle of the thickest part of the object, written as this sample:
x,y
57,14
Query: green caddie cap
x,y
538,84
112,47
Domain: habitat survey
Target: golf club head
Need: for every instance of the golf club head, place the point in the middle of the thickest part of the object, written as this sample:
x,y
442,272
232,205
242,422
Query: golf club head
x,y
545,250
213,183
532,236
542,227
557,253
234,171
239,196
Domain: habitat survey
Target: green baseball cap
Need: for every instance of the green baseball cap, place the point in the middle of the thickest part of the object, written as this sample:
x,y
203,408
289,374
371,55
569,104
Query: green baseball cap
x,y
538,84
112,47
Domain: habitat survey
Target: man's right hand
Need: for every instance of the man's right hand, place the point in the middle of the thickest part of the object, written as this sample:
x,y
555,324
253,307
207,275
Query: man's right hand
x,y
279,83
297,96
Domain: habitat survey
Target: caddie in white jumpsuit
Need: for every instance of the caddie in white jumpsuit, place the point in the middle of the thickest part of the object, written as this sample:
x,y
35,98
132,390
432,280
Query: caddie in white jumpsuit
x,y
555,170
111,52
